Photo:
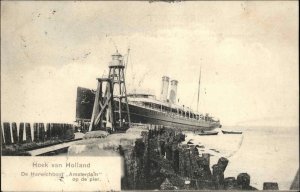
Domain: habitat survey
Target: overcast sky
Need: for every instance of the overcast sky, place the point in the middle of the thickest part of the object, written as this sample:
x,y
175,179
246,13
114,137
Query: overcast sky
x,y
248,52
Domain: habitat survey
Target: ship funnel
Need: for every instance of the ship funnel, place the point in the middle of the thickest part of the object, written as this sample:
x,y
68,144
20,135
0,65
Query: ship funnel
x,y
173,91
164,88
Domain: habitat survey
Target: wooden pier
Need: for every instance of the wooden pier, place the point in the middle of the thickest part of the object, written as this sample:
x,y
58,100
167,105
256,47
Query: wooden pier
x,y
33,138
52,148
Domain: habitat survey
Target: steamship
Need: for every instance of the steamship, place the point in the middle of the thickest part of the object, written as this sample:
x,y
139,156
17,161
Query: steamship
x,y
145,108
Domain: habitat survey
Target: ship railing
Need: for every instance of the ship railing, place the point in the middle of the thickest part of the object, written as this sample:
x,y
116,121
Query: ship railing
x,y
169,113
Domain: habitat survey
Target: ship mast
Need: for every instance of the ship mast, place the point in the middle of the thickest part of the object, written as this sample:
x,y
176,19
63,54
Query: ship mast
x,y
126,64
199,88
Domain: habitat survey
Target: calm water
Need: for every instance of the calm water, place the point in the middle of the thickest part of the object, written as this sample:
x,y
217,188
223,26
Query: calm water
x,y
267,154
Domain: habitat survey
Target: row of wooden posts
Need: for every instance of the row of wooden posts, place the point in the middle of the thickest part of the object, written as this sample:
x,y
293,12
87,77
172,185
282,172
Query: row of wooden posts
x,y
10,134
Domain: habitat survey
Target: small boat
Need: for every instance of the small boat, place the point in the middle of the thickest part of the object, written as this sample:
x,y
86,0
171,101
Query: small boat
x,y
232,132
208,133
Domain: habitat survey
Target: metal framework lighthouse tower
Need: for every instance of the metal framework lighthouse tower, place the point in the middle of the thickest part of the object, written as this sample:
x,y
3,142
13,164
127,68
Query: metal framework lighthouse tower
x,y
111,110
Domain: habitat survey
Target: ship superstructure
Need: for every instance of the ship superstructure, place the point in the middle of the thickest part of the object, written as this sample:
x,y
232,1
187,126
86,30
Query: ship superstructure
x,y
146,108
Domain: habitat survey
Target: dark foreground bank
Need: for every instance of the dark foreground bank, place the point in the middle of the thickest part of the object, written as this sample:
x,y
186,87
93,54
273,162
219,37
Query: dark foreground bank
x,y
155,158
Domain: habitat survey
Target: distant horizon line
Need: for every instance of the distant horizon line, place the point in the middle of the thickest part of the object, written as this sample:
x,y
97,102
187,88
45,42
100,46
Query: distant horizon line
x,y
260,126
74,121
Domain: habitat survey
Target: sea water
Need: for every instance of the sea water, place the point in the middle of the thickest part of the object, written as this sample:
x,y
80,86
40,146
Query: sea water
x,y
267,154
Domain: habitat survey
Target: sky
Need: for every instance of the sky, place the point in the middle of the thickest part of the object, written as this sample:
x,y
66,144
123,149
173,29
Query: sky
x,y
248,53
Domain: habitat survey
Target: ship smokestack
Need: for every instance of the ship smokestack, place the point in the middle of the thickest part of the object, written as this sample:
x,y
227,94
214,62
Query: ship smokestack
x,y
173,91
164,88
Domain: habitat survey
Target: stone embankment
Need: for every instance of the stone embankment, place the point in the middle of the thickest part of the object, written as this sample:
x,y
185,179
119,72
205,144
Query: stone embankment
x,y
155,158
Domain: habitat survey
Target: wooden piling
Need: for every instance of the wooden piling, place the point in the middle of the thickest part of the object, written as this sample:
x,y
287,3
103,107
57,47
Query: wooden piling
x,y
168,149
83,127
48,131
223,162
41,132
229,183
2,135
206,159
218,176
15,132
7,133
68,129
53,130
175,159
243,181
69,132
56,130
28,132
21,132
60,131
295,183
65,131
204,164
270,186
36,132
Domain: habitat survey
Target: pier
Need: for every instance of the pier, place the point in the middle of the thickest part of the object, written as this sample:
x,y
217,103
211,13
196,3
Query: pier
x,y
156,158
19,140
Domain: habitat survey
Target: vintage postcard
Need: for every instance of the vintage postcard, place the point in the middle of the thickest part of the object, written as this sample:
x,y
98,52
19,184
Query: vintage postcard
x,y
149,95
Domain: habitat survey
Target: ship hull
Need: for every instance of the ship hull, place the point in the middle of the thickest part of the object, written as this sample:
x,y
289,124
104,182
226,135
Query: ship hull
x,y
144,115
